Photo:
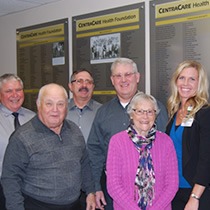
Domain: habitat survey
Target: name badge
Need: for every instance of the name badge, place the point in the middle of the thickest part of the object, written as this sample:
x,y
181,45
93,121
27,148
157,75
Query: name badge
x,y
188,123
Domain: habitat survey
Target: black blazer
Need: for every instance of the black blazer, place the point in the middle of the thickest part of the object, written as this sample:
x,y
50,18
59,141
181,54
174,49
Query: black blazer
x,y
196,148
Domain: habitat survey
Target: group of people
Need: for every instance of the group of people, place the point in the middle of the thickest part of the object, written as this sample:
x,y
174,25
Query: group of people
x,y
129,153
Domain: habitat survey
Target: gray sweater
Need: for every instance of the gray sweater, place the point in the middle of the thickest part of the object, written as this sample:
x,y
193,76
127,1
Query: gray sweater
x,y
48,167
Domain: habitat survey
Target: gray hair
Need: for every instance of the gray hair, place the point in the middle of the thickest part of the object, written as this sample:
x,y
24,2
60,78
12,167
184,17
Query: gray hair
x,y
8,77
43,89
124,61
140,96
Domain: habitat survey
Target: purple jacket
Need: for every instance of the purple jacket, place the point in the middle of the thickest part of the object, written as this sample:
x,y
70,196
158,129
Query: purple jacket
x,y
122,162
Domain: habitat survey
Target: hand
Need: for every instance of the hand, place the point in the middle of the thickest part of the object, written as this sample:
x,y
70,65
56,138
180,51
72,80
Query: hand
x,y
91,202
192,204
100,200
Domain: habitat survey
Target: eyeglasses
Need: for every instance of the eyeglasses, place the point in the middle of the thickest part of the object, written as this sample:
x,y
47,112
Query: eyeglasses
x,y
126,75
82,81
141,112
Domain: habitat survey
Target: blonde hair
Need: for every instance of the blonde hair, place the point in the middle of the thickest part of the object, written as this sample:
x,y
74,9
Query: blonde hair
x,y
199,99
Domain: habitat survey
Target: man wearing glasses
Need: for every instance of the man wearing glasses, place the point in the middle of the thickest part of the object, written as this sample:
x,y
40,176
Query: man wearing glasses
x,y
82,108
112,118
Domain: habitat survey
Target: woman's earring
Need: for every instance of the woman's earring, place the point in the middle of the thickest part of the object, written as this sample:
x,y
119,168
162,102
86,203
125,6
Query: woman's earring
x,y
131,121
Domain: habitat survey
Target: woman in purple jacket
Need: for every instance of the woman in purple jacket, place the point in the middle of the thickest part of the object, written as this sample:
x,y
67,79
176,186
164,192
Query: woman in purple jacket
x,y
142,172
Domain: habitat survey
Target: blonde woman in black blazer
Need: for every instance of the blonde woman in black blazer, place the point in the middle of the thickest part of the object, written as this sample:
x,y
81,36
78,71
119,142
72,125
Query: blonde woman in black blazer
x,y
189,128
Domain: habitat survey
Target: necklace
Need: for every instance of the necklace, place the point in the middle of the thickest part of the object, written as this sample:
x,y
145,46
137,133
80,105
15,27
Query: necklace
x,y
184,114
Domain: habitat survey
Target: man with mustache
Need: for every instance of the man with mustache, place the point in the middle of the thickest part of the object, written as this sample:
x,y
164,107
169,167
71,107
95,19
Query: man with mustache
x,y
82,108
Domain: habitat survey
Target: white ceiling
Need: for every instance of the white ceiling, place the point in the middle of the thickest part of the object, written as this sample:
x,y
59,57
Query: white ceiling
x,y
14,6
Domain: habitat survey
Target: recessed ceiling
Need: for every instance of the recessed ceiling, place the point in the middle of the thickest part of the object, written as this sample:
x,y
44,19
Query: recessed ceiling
x,y
13,6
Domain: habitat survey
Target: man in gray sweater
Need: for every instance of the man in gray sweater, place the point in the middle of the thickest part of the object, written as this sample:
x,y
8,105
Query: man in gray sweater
x,y
46,163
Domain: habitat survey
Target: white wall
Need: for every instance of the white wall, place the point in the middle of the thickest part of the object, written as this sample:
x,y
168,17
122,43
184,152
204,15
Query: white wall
x,y
47,13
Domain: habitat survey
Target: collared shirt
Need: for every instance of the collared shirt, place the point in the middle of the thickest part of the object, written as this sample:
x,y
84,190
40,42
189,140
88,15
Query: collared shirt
x,y
83,117
7,126
46,166
110,119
